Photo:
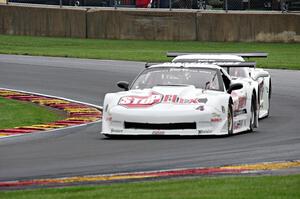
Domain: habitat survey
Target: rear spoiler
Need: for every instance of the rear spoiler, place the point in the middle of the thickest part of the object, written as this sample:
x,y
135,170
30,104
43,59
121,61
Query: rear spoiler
x,y
221,64
234,64
244,55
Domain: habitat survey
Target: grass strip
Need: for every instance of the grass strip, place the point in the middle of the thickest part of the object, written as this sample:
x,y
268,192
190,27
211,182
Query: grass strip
x,y
281,55
255,187
15,113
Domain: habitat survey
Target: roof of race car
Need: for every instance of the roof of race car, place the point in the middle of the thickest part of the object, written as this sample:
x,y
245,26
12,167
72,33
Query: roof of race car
x,y
213,57
186,65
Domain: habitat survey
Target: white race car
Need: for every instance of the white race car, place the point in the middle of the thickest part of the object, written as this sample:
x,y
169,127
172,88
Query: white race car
x,y
222,59
182,99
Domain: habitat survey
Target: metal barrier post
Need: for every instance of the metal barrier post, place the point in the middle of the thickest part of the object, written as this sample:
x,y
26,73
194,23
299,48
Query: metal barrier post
x,y
60,3
170,5
115,4
226,5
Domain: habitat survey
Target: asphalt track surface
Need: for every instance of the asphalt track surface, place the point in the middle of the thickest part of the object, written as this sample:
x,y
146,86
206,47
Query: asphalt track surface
x,y
82,150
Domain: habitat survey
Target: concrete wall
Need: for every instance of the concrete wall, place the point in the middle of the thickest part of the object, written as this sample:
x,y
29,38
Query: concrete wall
x,y
149,24
273,27
42,21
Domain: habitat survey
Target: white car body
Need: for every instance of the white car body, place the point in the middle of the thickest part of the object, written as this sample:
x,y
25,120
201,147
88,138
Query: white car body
x,y
248,74
181,110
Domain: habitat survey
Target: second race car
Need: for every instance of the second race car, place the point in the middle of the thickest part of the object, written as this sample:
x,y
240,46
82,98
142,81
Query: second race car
x,y
246,73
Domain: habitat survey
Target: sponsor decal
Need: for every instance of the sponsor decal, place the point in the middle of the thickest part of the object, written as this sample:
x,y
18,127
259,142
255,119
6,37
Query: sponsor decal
x,y
175,99
216,117
141,101
239,112
239,124
239,100
155,98
116,130
200,108
242,102
204,131
158,132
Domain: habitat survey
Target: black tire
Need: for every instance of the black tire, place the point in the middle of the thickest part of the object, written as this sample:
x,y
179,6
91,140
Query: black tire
x,y
230,119
270,93
253,115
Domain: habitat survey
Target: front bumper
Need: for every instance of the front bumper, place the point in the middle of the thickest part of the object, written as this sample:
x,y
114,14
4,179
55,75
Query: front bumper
x,y
201,128
208,121
183,132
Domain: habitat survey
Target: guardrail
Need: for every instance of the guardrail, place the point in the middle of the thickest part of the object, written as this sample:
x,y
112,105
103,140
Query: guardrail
x,y
266,5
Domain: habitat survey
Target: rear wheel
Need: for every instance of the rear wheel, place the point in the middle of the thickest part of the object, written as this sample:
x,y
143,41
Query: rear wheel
x,y
253,115
269,98
230,119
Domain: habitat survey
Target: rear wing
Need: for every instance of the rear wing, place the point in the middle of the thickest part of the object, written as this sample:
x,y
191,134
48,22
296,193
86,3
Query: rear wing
x,y
221,64
244,55
233,64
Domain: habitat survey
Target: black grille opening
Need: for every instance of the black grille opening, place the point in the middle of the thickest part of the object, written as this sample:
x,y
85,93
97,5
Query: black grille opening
x,y
162,126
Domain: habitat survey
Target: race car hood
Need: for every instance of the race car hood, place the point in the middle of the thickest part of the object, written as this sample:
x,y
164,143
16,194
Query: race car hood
x,y
162,97
164,103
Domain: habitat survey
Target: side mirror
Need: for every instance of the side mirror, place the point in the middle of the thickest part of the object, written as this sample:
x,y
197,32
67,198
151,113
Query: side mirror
x,y
234,86
260,74
124,85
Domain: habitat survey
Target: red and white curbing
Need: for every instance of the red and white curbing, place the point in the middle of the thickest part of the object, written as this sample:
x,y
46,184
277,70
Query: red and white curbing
x,y
79,113
200,171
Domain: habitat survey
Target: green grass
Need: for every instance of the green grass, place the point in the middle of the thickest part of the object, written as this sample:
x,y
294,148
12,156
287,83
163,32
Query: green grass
x,y
281,55
264,187
16,113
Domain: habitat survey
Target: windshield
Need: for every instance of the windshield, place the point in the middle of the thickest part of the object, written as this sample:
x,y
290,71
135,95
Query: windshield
x,y
232,71
167,76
